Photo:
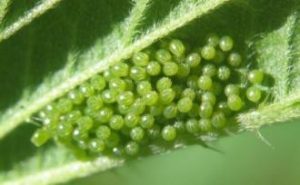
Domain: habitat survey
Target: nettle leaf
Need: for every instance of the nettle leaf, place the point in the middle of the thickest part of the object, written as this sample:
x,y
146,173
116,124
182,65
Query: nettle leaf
x,y
49,47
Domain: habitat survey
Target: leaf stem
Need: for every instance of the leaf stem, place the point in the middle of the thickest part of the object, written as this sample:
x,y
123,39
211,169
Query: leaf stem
x,y
3,9
136,16
286,109
29,16
67,172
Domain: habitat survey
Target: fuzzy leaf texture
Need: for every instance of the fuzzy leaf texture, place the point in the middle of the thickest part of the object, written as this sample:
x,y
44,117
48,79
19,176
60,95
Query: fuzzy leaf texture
x,y
48,47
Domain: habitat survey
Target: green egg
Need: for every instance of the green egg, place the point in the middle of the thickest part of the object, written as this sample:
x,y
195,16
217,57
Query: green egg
x,y
147,121
177,48
205,125
193,60
85,123
153,68
143,87
209,97
150,98
96,146
140,59
208,52
253,94
120,70
132,148
213,40
205,82
40,137
86,89
192,126
167,96
209,70
98,82
103,132
95,102
137,134
170,111
126,98
79,134
132,120
117,85
170,68
234,59
163,55
184,105
116,122
104,115
234,102
206,110
231,89
226,43
256,76
189,93
168,133
64,130
76,96
138,73
218,120
64,105
183,70
138,107
224,73
163,83
109,96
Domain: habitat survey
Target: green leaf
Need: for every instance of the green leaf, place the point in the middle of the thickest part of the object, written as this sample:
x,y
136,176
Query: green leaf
x,y
81,61
43,58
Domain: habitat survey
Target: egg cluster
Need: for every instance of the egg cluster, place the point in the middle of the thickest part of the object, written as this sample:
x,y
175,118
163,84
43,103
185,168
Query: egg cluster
x,y
158,95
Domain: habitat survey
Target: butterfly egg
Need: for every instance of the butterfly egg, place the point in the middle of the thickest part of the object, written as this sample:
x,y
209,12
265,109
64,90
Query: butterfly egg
x,y
256,76
192,126
103,132
170,111
116,122
234,59
140,59
137,134
209,70
153,68
213,39
96,145
193,60
253,94
150,98
120,70
208,52
205,125
168,133
224,73
177,48
209,97
226,43
167,96
153,98
205,82
235,103
170,68
184,104
132,148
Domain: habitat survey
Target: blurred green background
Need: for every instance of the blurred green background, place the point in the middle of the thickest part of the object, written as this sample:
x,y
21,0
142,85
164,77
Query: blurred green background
x,y
243,160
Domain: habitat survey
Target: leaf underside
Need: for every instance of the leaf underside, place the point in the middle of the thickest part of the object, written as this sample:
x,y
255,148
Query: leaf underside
x,y
73,41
